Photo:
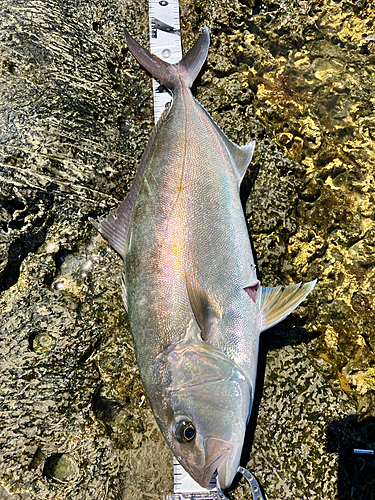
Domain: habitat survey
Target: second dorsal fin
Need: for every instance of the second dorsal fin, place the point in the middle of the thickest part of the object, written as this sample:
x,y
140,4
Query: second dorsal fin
x,y
241,155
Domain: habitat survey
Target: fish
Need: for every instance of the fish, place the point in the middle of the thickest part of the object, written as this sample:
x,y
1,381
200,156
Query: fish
x,y
196,307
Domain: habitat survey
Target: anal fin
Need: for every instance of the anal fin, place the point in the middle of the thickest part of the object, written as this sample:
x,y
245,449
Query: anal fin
x,y
115,227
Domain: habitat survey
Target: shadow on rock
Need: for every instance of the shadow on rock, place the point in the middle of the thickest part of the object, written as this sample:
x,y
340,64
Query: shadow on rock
x,y
356,470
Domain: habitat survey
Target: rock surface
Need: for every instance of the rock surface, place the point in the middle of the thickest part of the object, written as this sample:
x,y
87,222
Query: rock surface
x,y
76,112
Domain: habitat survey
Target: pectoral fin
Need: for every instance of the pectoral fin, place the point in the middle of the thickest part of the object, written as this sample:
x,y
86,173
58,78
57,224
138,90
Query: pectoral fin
x,y
205,309
276,303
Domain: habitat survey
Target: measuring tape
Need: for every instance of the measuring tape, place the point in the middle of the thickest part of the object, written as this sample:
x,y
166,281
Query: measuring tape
x,y
165,42
185,488
184,483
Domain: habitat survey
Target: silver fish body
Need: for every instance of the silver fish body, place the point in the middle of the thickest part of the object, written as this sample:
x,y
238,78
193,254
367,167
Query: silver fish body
x,y
195,305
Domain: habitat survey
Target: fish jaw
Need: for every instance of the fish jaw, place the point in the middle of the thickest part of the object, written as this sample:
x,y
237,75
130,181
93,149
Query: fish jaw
x,y
202,466
217,454
227,468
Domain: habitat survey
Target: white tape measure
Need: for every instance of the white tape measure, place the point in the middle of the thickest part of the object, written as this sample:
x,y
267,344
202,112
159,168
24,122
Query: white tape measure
x,y
165,42
184,483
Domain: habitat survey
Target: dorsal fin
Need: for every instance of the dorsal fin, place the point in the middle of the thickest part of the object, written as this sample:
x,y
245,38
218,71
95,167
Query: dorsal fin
x,y
115,226
276,303
241,155
205,309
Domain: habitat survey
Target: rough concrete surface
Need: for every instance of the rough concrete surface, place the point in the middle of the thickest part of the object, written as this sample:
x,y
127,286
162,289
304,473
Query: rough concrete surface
x,y
75,115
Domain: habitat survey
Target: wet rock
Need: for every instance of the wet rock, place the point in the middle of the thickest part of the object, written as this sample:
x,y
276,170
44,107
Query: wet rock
x,y
367,407
312,191
111,364
76,112
361,302
291,432
37,459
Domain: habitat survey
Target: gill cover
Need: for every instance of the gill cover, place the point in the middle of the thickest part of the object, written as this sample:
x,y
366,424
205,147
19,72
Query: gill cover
x,y
201,388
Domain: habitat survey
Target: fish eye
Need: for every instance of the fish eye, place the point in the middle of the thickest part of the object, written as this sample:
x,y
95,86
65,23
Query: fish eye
x,y
185,431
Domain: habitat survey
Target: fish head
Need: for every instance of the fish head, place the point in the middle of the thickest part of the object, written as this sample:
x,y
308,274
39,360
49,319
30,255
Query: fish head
x,y
205,404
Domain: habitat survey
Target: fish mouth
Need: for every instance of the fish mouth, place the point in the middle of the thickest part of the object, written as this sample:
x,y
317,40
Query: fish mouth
x,y
217,451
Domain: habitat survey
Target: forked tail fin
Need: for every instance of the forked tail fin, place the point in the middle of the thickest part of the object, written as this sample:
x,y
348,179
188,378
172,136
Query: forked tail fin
x,y
172,75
